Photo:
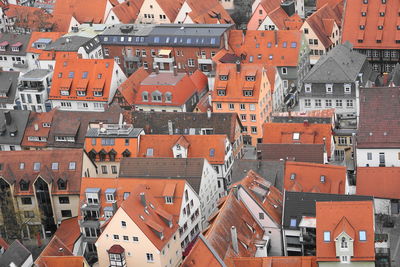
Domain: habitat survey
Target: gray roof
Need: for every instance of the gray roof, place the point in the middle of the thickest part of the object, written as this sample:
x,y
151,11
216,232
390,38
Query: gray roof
x,y
189,169
272,171
293,119
394,76
186,122
19,119
341,65
313,153
95,132
13,38
73,43
36,74
16,254
298,204
8,85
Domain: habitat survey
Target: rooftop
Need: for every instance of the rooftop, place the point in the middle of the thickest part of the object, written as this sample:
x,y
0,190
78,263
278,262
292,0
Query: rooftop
x,y
386,187
313,153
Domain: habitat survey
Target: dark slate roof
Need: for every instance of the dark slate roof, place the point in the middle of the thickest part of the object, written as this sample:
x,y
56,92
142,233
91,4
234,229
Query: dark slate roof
x,y
95,132
190,169
8,85
342,64
19,119
379,123
313,153
13,38
75,123
298,204
16,254
73,43
293,119
185,122
272,171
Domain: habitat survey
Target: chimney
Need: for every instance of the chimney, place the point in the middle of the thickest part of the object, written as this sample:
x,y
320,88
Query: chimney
x,y
234,239
36,127
143,199
157,69
235,192
306,123
170,128
120,121
209,99
238,66
175,70
209,113
100,125
7,114
276,37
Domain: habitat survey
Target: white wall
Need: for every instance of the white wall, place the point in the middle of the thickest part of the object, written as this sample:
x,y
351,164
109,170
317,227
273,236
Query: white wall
x,y
382,206
208,191
391,157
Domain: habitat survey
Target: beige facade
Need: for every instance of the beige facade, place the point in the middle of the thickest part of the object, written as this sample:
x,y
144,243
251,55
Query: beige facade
x,y
151,12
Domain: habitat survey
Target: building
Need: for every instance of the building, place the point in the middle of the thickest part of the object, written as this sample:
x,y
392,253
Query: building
x,y
298,5
13,52
125,12
378,37
189,47
242,88
304,261
322,30
169,92
316,178
313,153
378,145
39,189
192,124
345,233
215,148
12,128
85,84
16,255
158,11
37,130
33,90
300,133
8,89
334,81
106,144
300,225
207,12
386,197
196,171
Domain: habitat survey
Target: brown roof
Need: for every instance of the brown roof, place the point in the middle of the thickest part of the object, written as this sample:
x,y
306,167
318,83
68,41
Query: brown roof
x,y
170,8
33,18
3,244
379,124
128,11
313,153
13,172
379,182
289,261
35,127
208,12
61,261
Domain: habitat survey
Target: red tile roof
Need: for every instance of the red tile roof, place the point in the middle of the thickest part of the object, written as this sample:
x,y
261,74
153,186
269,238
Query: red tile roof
x,y
28,17
99,76
61,261
208,12
130,87
128,11
3,244
199,146
268,44
42,35
350,217
283,133
308,178
389,33
35,127
69,232
289,261
170,8
380,182
83,11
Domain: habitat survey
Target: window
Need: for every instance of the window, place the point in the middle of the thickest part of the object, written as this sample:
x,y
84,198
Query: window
x,y
343,243
219,106
223,77
54,166
145,96
110,197
253,129
104,169
293,222
382,159
347,88
329,88
36,166
307,87
253,117
305,31
342,140
24,185
125,238
344,259
114,169
116,237
307,103
318,103
62,184
135,239
29,214
63,200
339,103
362,235
190,62
369,156
252,107
296,136
168,200
243,117
231,106
327,236
349,103
150,257
221,92
26,201
72,165
66,213
242,106
123,223
247,92
284,70
107,141
328,103
261,215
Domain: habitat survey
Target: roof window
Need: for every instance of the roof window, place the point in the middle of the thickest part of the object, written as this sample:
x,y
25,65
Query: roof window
x,y
292,176
327,236
322,178
296,136
362,235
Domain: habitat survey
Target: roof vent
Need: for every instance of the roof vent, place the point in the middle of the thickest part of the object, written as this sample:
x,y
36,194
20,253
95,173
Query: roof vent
x,y
126,28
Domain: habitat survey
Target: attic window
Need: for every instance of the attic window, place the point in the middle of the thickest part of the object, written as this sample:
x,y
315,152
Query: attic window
x,y
62,185
327,236
149,152
322,178
270,57
169,200
296,136
293,44
284,45
84,75
382,14
362,235
269,44
250,78
292,176
380,27
223,77
293,222
126,195
212,152
168,97
364,14
36,166
54,166
99,76
24,185
71,74
247,92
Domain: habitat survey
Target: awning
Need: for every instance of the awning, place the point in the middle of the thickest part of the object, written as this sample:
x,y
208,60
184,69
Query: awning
x,y
5,43
169,190
164,52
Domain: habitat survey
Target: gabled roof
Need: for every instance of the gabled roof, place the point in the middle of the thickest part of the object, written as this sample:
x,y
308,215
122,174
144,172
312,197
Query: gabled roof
x,y
12,38
342,64
83,11
208,11
313,177
288,261
61,261
32,18
321,22
8,86
128,11
130,86
198,146
313,153
16,253
379,182
35,127
170,8
350,217
16,126
286,133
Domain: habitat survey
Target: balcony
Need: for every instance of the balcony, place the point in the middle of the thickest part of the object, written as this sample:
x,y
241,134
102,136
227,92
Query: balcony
x,y
20,65
131,58
204,60
164,60
38,88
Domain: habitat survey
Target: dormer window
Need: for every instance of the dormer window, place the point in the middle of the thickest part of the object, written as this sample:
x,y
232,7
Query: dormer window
x,y
62,185
169,200
178,147
221,92
296,136
3,46
347,88
250,78
329,88
168,97
307,87
156,96
24,185
322,178
223,77
145,96
97,93
247,92
212,152
110,194
343,243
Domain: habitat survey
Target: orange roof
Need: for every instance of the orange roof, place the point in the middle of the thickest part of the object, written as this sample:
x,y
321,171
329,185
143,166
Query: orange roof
x,y
28,17
83,11
181,86
236,83
61,261
199,146
353,15
56,248
69,232
308,133
273,198
204,104
35,36
319,113
208,12
62,22
128,11
218,236
388,184
99,73
294,22
38,120
155,187
306,177
321,3
289,261
130,87
170,8
270,5
350,217
322,22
